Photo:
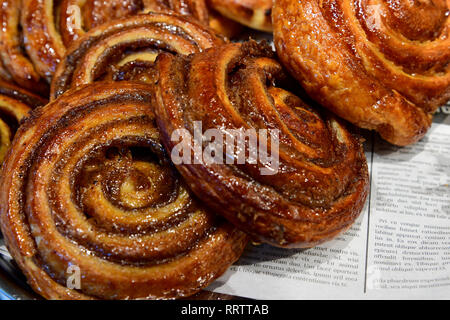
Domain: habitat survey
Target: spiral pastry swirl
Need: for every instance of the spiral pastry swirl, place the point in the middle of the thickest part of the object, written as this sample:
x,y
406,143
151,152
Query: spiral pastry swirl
x,y
256,14
321,183
125,49
87,184
383,65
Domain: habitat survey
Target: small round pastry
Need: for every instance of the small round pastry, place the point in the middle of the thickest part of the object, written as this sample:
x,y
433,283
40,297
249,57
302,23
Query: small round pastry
x,y
382,65
314,183
91,208
125,49
256,14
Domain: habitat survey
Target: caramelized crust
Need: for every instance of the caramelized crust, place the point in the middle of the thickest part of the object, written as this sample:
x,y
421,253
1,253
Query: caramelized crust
x,y
199,10
24,96
383,65
15,64
36,33
256,14
40,36
125,49
321,183
15,104
87,184
12,111
195,8
78,16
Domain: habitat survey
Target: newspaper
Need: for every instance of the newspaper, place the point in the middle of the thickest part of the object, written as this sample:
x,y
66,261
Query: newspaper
x,y
398,248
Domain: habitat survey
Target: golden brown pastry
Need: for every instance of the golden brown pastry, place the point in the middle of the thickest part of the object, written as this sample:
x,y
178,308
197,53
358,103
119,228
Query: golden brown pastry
x,y
382,65
256,14
320,184
87,186
15,104
36,33
24,96
88,14
15,64
224,26
78,16
199,10
125,49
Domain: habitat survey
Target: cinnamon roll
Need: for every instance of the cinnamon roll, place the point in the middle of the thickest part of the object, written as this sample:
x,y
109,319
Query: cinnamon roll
x,y
125,49
317,183
256,14
88,193
382,65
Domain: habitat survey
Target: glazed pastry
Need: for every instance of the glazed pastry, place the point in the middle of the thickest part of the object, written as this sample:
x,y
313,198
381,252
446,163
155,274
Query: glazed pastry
x,y
317,184
36,33
125,49
88,14
199,10
382,65
48,27
30,99
15,104
224,26
11,113
87,188
15,64
256,14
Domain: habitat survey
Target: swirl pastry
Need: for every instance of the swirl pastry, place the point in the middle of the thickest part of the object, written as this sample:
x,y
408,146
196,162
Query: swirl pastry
x,y
125,49
321,182
87,186
256,14
382,65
